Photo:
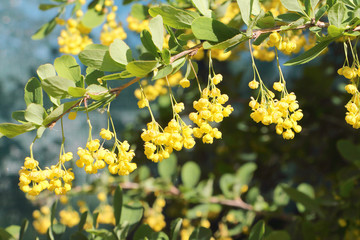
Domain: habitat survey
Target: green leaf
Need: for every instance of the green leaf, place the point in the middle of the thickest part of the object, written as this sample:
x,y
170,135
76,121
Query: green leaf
x,y
139,11
280,197
257,231
166,56
176,65
92,18
141,68
245,173
4,235
11,130
335,31
58,229
58,112
167,167
314,3
46,71
53,211
95,217
299,197
226,184
190,174
120,52
67,67
76,91
320,12
163,72
92,76
349,151
40,131
132,214
19,116
203,7
156,27
24,225
175,227
212,30
147,41
278,235
200,233
310,54
309,191
337,14
174,17
78,236
118,204
97,56
82,221
248,8
13,230
292,5
56,86
35,113
45,29
288,17
239,38
44,7
143,232
267,21
97,92
33,92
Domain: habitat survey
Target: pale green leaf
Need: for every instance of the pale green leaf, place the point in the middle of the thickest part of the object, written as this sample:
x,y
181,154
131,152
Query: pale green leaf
x,y
292,5
310,54
190,174
35,113
92,18
45,71
120,52
337,15
33,92
257,231
67,67
203,7
141,68
56,86
11,130
248,8
157,31
212,30
174,17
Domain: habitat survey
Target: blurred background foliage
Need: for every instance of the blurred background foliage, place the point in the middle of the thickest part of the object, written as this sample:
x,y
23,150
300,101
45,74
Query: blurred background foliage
x,y
322,161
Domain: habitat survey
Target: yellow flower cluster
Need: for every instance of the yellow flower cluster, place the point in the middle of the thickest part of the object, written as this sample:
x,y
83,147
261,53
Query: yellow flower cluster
x,y
285,113
106,215
274,6
262,53
352,107
111,29
210,109
349,72
54,179
154,217
41,221
220,55
159,88
69,218
232,10
283,44
74,38
159,144
291,44
95,157
136,25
